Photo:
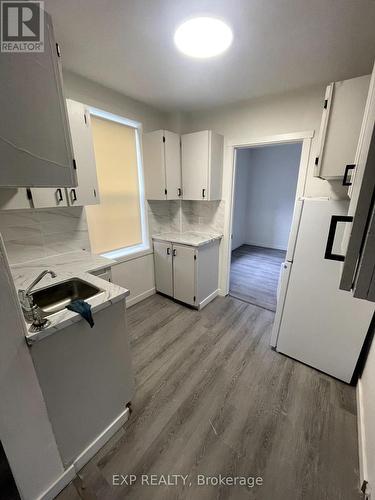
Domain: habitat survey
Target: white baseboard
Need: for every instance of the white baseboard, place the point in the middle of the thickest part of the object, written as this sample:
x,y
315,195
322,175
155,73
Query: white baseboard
x,y
138,298
55,488
208,299
100,441
87,454
361,435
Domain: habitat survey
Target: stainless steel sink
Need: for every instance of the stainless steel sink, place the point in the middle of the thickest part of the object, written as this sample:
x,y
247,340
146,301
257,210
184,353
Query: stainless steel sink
x,y
55,298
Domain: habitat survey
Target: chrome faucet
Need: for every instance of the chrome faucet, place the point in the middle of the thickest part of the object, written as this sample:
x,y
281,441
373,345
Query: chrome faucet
x,y
31,312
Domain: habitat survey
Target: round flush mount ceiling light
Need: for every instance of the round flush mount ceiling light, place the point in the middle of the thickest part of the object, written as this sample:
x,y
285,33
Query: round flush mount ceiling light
x,y
203,37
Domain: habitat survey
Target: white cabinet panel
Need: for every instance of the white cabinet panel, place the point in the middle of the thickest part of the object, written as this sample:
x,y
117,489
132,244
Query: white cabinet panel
x,y
154,165
46,197
172,156
184,273
202,165
163,267
343,109
195,158
35,144
14,198
87,192
162,165
358,247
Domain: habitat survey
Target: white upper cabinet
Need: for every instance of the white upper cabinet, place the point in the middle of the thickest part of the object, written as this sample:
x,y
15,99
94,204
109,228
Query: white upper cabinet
x,y
87,191
15,198
162,165
35,143
202,165
49,197
343,109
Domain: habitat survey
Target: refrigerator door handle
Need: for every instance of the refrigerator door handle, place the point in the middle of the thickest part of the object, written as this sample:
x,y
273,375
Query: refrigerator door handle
x,y
331,237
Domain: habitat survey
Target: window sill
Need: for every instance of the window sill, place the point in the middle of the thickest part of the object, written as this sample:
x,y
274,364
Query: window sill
x,y
131,253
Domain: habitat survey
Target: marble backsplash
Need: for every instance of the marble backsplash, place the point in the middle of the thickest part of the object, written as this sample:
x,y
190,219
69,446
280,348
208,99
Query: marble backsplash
x,y
34,234
184,215
164,216
202,216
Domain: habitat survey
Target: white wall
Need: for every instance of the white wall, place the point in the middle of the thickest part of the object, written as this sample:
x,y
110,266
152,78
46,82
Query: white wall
x,y
264,195
91,93
279,114
366,416
272,115
137,275
240,198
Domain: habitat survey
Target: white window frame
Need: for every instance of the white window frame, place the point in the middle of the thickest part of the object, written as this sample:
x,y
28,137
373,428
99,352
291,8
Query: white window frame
x,y
130,252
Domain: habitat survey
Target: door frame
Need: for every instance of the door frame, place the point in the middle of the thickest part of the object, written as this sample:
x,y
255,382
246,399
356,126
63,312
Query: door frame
x,y
231,146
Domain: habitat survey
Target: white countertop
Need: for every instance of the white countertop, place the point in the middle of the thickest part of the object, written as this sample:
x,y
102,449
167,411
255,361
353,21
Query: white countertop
x,y
68,265
191,238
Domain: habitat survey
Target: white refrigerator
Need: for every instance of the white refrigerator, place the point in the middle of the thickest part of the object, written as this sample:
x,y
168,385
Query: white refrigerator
x,y
315,322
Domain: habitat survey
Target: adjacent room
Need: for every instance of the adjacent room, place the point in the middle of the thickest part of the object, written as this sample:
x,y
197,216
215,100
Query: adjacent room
x,y
264,198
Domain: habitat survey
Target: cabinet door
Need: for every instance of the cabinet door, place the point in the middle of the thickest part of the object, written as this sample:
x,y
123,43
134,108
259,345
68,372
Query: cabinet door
x,y
154,165
195,161
49,197
359,242
163,267
339,136
14,198
35,144
173,165
87,192
184,274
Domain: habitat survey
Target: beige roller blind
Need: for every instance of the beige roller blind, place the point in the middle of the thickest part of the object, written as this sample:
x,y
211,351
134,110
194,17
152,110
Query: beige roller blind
x,y
116,222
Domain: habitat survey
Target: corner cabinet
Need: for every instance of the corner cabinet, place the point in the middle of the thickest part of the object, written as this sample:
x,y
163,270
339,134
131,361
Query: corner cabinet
x,y
202,165
343,109
162,165
187,273
35,143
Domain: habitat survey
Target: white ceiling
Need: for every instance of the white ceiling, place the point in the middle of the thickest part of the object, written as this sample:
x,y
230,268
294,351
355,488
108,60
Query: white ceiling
x,y
278,45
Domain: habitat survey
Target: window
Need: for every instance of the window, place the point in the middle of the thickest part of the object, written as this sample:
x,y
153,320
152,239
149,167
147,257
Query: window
x,y
117,226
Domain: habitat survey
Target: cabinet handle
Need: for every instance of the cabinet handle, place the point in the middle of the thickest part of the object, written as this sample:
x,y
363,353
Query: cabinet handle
x,y
174,252
168,251
179,191
59,195
331,237
345,181
73,195
203,193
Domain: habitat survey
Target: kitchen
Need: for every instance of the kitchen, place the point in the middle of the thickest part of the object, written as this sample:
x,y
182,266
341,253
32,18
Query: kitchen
x,y
163,224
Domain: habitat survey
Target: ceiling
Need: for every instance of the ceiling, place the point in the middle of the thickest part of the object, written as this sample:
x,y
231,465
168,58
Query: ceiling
x,y
278,45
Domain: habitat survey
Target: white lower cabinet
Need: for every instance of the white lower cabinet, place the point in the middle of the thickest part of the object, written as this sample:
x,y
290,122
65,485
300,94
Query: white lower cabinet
x,y
163,267
184,274
187,273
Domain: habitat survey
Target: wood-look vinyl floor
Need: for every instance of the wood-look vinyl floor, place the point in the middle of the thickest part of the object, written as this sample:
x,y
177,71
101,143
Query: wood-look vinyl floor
x,y
213,398
254,275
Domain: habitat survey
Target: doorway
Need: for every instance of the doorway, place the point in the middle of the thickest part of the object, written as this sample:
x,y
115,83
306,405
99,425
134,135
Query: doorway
x,y
264,194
